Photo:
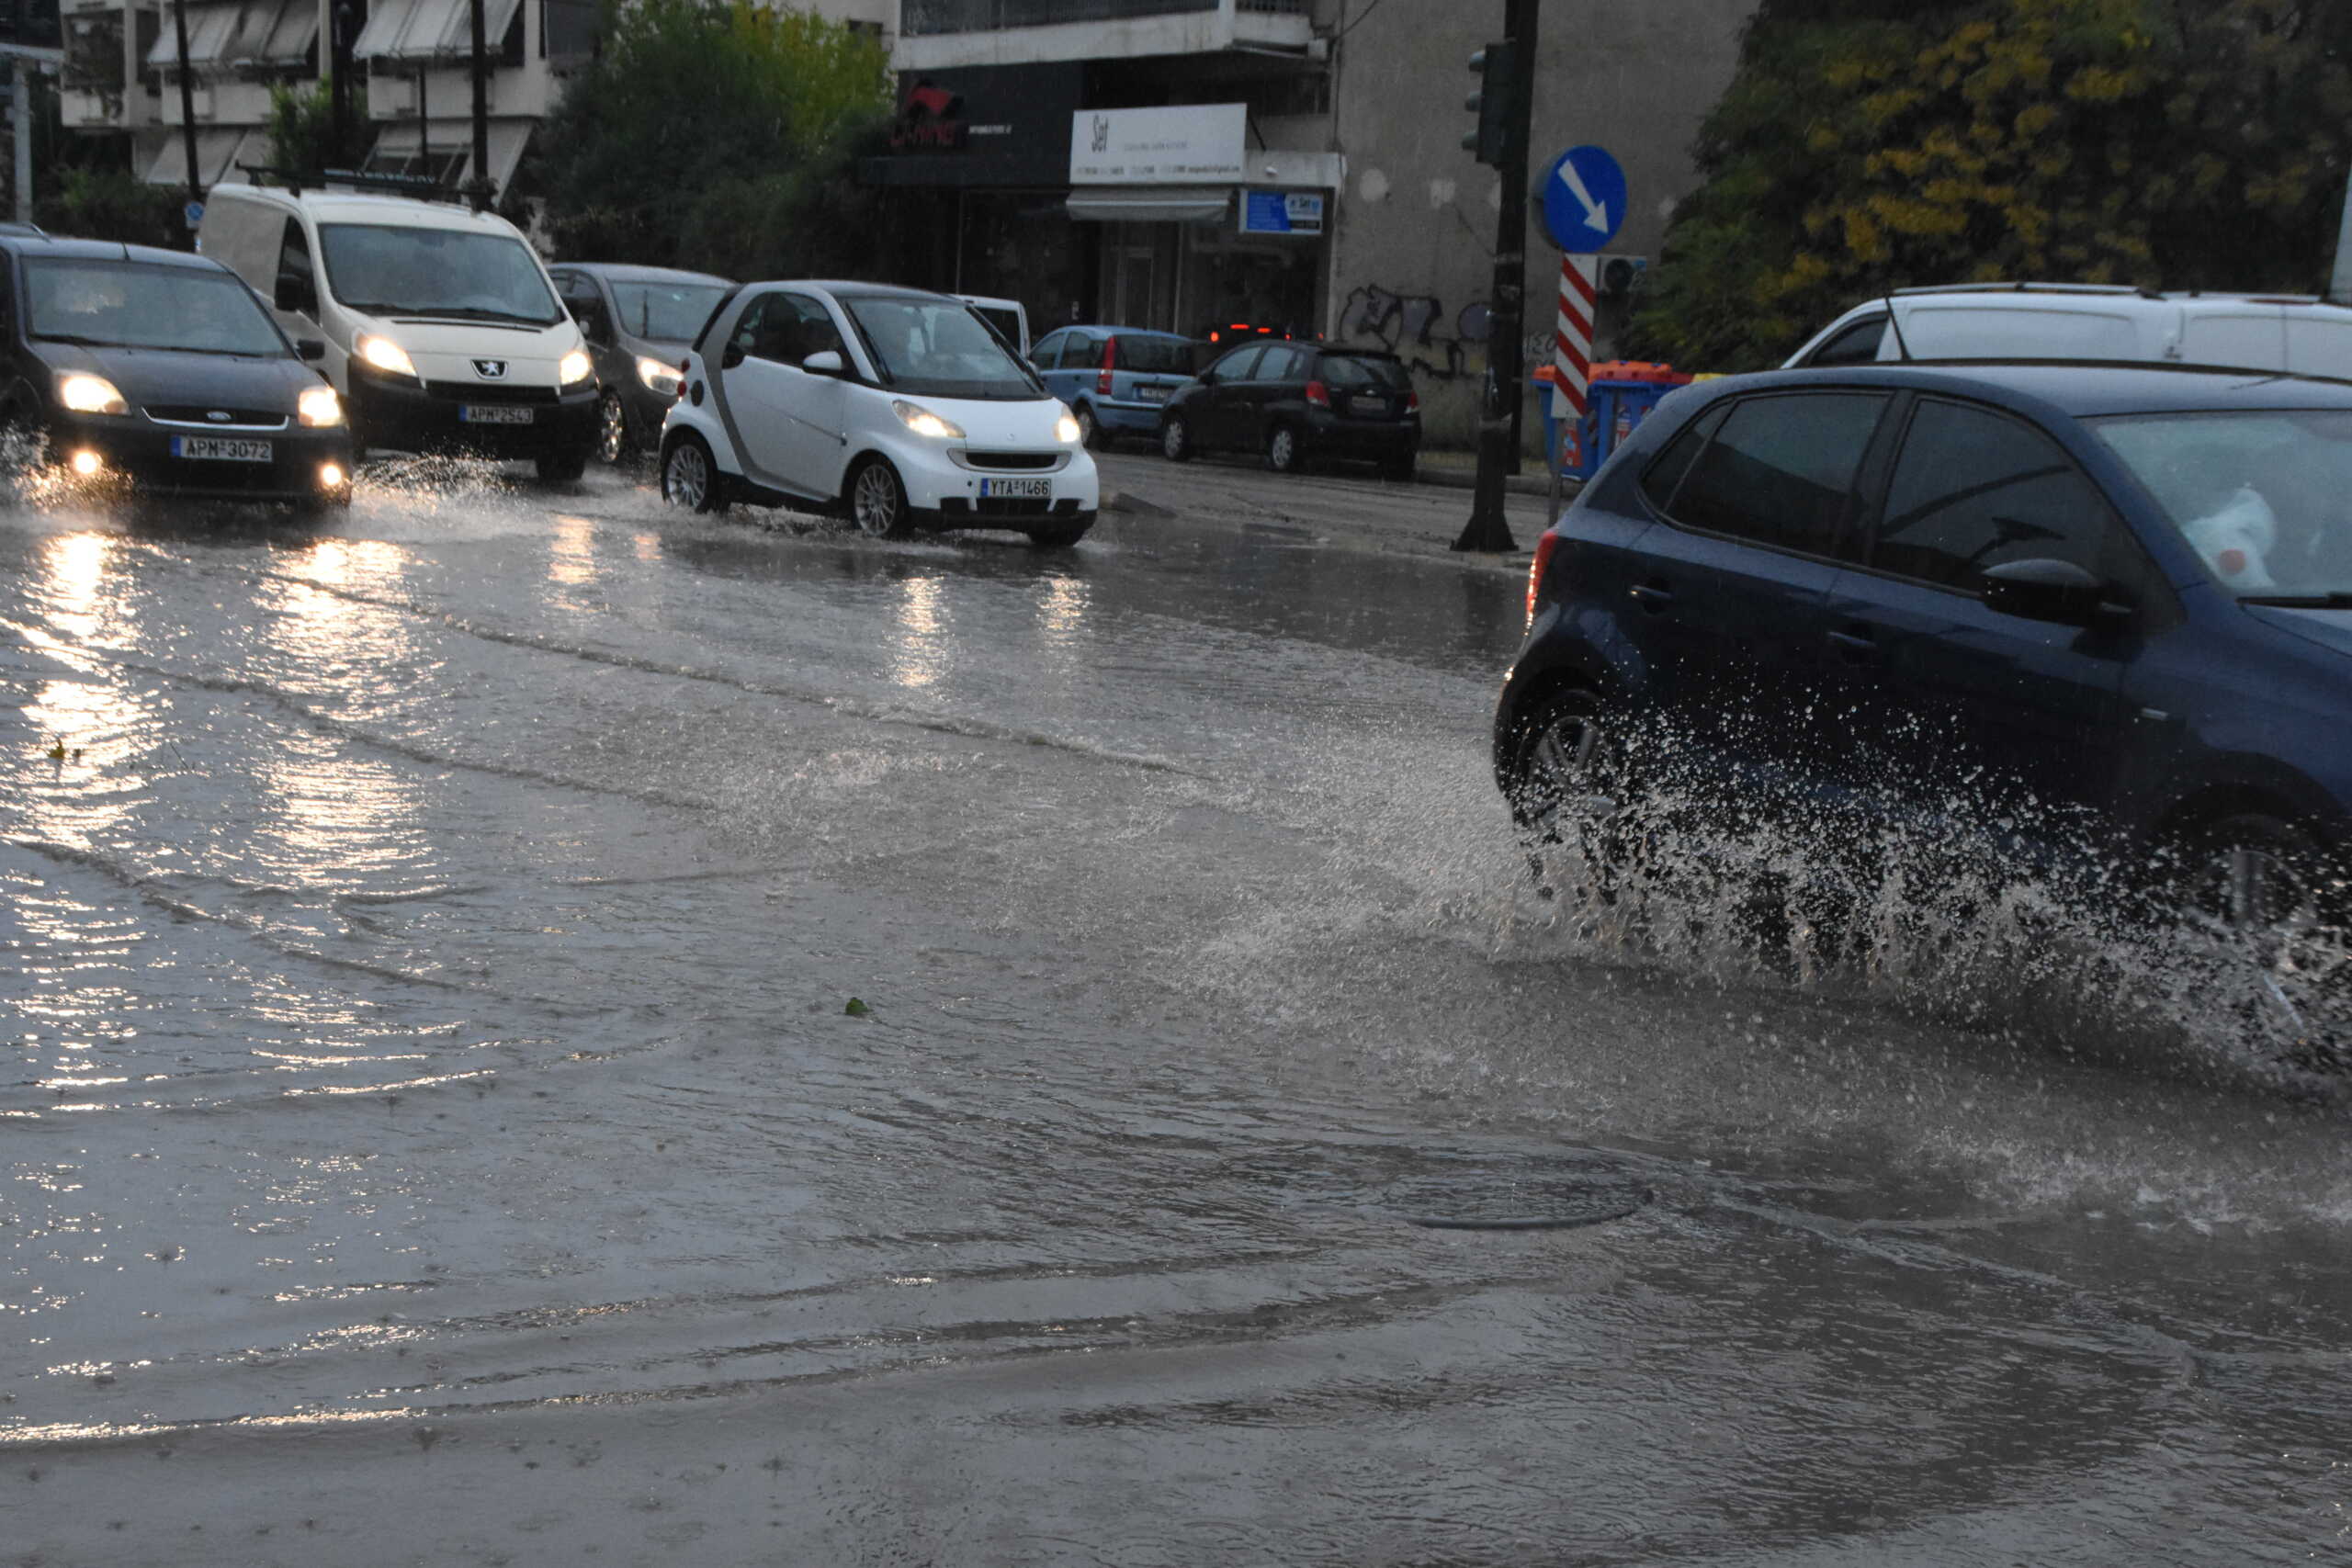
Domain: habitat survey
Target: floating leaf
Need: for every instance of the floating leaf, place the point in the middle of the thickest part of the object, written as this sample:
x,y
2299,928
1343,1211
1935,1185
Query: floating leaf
x,y
857,1009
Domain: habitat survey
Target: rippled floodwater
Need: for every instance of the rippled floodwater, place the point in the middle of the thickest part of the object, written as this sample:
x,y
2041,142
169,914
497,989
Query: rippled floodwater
x,y
436,1131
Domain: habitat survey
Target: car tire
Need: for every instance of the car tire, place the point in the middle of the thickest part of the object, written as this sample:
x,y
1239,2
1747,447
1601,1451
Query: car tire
x,y
1090,429
561,468
2263,885
1175,439
1554,747
1059,538
1285,449
612,441
690,476
878,501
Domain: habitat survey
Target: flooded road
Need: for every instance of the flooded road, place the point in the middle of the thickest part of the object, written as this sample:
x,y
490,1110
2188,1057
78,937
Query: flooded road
x,y
542,1030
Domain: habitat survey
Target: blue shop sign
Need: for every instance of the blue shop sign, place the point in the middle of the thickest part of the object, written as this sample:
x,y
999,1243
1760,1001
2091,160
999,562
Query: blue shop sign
x,y
1282,212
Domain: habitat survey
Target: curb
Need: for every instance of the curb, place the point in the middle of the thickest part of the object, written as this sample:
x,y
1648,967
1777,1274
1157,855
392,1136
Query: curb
x,y
1467,479
1135,505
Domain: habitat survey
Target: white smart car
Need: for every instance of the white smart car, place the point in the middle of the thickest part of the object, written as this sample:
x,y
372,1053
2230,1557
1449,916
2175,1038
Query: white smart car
x,y
900,407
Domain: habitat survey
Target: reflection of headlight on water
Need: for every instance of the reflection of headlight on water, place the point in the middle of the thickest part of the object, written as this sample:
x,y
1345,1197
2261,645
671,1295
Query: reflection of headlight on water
x,y
87,462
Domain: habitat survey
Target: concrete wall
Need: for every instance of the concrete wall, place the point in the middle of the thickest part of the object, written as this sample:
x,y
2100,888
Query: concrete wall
x,y
1416,224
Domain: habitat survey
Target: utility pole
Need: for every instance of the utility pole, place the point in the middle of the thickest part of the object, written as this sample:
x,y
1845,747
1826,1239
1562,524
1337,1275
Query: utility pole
x,y
187,107
20,127
1501,139
479,188
32,41
339,42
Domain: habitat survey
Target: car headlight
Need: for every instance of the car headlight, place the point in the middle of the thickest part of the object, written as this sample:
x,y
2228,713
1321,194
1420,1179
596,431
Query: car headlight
x,y
922,422
386,355
318,406
658,376
1066,430
574,367
90,394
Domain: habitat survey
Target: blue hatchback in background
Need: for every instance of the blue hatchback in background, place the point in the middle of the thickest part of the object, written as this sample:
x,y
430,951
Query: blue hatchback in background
x,y
1115,379
2094,607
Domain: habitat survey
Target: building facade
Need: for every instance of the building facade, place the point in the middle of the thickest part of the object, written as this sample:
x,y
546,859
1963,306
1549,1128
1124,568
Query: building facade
x,y
121,76
1209,166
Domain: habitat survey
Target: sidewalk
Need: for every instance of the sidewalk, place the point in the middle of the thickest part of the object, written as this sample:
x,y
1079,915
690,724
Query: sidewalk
x,y
1459,471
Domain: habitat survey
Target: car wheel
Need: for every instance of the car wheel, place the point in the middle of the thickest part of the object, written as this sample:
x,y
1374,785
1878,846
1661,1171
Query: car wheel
x,y
1175,438
1564,765
2262,887
878,501
689,476
1284,454
1059,538
612,428
561,468
1090,429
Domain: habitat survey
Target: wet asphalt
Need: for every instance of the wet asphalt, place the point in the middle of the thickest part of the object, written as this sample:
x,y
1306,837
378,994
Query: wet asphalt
x,y
544,1029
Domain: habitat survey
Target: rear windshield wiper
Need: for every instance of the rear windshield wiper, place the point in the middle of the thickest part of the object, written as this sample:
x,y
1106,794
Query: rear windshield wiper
x,y
2334,599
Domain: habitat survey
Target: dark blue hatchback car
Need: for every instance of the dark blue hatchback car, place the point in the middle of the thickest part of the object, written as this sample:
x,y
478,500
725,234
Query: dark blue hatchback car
x,y
2081,605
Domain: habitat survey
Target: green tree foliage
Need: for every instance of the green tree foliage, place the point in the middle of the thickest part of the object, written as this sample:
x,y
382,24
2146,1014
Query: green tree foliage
x,y
302,128
1865,145
113,204
717,134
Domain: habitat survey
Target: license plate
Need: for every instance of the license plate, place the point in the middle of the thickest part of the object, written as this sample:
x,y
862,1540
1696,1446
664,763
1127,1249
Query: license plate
x,y
220,450
1368,405
1152,394
495,413
1019,490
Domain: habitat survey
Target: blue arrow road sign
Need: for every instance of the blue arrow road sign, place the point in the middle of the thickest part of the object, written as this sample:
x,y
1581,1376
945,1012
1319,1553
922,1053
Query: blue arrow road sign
x,y
1584,199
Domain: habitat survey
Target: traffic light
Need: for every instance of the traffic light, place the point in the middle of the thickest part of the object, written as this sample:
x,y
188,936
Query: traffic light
x,y
1492,102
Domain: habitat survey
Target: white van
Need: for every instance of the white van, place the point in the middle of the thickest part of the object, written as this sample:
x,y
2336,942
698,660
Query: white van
x,y
2297,334
443,330
1007,316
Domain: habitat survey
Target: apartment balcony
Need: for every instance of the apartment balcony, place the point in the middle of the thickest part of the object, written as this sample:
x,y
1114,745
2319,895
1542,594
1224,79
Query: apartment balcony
x,y
939,35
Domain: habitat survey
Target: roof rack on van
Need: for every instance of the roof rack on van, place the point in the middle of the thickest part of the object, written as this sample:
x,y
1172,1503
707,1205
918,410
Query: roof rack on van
x,y
423,187
2030,288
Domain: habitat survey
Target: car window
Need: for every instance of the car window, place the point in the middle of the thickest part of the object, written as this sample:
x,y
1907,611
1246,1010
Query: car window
x,y
1082,351
1236,367
746,325
1858,345
1281,363
1352,372
109,303
1156,355
1973,488
1046,350
1781,470
790,328
922,344
1660,480
665,312
294,261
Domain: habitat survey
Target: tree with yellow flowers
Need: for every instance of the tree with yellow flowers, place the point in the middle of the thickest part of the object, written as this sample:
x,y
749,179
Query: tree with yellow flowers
x,y
1866,146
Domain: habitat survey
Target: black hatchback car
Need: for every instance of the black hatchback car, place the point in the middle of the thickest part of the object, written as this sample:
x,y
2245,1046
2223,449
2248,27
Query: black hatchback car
x,y
2105,605
163,370
1297,403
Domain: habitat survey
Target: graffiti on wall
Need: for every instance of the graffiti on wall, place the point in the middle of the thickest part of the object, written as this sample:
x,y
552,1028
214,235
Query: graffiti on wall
x,y
1414,327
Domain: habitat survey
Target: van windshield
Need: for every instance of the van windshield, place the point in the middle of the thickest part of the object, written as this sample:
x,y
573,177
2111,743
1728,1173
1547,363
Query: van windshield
x,y
126,304
408,271
940,347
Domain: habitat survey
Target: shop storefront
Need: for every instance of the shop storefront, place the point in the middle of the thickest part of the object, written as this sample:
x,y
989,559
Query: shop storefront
x,y
1156,217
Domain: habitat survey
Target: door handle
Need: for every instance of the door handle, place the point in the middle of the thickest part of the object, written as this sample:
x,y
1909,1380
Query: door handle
x,y
1653,598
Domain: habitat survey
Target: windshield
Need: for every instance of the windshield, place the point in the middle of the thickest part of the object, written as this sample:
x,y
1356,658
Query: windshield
x,y
126,304
2259,494
939,347
1157,356
669,312
436,271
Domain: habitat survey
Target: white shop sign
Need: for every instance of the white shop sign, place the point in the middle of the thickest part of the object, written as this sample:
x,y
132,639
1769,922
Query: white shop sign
x,y
1190,145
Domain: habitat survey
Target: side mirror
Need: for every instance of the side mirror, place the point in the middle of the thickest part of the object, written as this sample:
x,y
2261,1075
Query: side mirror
x,y
730,356
310,349
2043,590
1208,377
293,295
825,362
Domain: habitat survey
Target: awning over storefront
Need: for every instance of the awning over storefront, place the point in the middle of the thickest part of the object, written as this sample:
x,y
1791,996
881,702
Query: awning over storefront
x,y
229,33
397,143
215,149
430,30
1151,203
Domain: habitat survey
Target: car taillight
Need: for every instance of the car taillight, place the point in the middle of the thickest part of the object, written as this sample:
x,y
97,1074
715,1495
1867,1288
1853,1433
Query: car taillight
x,y
1544,549
1110,358
1412,402
1318,394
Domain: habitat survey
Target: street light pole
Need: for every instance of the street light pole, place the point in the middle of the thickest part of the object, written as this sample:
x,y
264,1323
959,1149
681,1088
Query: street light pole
x,y
339,84
1498,414
187,105
479,186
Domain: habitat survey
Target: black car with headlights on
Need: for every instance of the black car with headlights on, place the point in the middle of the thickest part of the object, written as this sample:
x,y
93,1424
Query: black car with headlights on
x,y
162,370
637,321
